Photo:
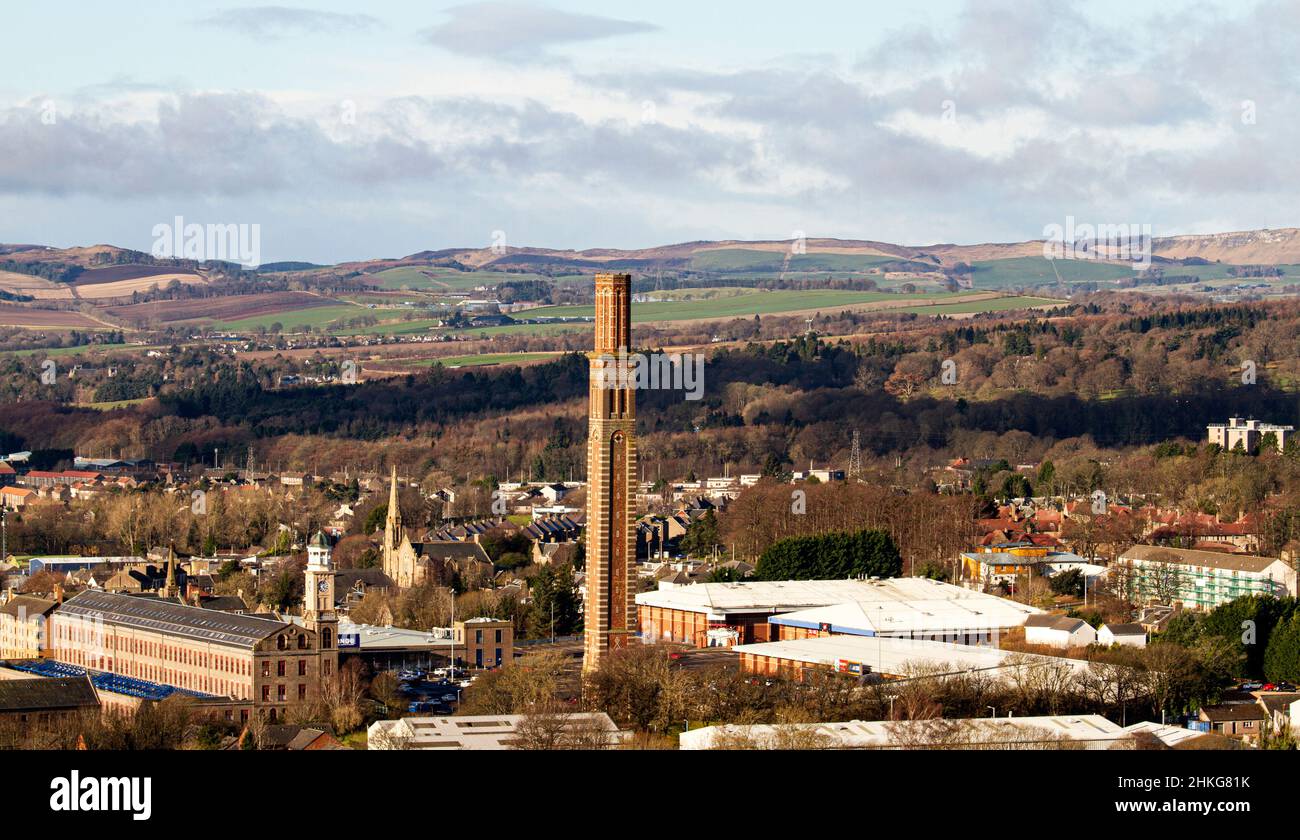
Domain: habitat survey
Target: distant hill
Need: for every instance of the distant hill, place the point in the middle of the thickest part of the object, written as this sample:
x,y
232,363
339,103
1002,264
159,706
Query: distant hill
x,y
1258,247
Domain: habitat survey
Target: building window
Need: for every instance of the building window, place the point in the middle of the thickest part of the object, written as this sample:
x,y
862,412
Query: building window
x,y
280,693
326,638
302,691
279,668
281,643
266,694
302,642
498,642
302,667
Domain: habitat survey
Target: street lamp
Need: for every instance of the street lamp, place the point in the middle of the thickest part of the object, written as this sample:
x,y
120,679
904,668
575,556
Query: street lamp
x,y
994,709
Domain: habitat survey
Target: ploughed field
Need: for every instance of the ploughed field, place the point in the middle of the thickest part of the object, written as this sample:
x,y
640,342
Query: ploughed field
x,y
221,309
12,315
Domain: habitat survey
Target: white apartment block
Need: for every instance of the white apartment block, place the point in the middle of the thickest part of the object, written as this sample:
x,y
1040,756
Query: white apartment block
x,y
1249,433
1202,579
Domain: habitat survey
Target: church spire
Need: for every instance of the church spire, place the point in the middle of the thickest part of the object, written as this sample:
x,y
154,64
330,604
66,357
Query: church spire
x,y
170,589
393,523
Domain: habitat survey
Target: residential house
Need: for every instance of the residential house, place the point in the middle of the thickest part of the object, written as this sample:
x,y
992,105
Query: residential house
x,y
1237,720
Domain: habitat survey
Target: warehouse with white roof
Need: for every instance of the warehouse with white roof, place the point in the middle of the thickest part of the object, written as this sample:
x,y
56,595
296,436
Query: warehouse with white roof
x,y
761,611
1045,732
887,658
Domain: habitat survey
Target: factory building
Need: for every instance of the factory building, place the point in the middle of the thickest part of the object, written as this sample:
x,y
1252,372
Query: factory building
x,y
884,657
713,614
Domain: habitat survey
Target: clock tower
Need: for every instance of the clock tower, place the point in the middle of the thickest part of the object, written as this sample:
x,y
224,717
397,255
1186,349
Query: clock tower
x,y
318,602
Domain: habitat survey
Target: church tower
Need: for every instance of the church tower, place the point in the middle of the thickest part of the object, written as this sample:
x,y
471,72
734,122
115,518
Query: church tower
x,y
610,612
318,602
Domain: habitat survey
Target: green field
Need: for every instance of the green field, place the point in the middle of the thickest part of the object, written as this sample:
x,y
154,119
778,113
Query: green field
x,y
419,325
1219,271
1037,271
315,317
752,260
109,406
995,305
739,306
86,349
487,359
528,329
444,279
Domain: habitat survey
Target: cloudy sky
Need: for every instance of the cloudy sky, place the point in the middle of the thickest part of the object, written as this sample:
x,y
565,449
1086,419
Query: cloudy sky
x,y
357,130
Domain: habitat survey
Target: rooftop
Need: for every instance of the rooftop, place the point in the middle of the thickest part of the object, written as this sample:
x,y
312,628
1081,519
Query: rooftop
x,y
900,657
35,694
1193,557
912,609
170,618
1090,731
785,596
27,606
481,732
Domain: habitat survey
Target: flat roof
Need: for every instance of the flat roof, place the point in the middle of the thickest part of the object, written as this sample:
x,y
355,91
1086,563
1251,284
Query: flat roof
x,y
372,637
901,657
786,596
892,611
478,732
1045,731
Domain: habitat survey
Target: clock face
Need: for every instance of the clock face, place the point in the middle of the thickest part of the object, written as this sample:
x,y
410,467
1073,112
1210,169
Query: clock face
x,y
323,586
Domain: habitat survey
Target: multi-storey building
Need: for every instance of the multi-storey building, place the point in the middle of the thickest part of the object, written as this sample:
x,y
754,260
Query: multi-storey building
x,y
486,642
22,627
1199,579
267,663
1248,433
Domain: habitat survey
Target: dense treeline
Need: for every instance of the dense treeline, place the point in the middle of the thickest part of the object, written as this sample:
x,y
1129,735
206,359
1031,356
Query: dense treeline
x,y
833,556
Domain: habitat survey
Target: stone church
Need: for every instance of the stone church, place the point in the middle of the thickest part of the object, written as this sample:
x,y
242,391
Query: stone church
x,y
412,564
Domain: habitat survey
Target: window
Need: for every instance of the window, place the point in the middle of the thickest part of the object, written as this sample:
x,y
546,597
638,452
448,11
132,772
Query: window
x,y
302,667
302,691
279,668
302,642
327,638
498,642
280,693
478,637
266,694
281,642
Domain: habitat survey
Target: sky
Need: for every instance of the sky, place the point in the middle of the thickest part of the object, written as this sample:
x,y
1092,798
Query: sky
x,y
379,129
